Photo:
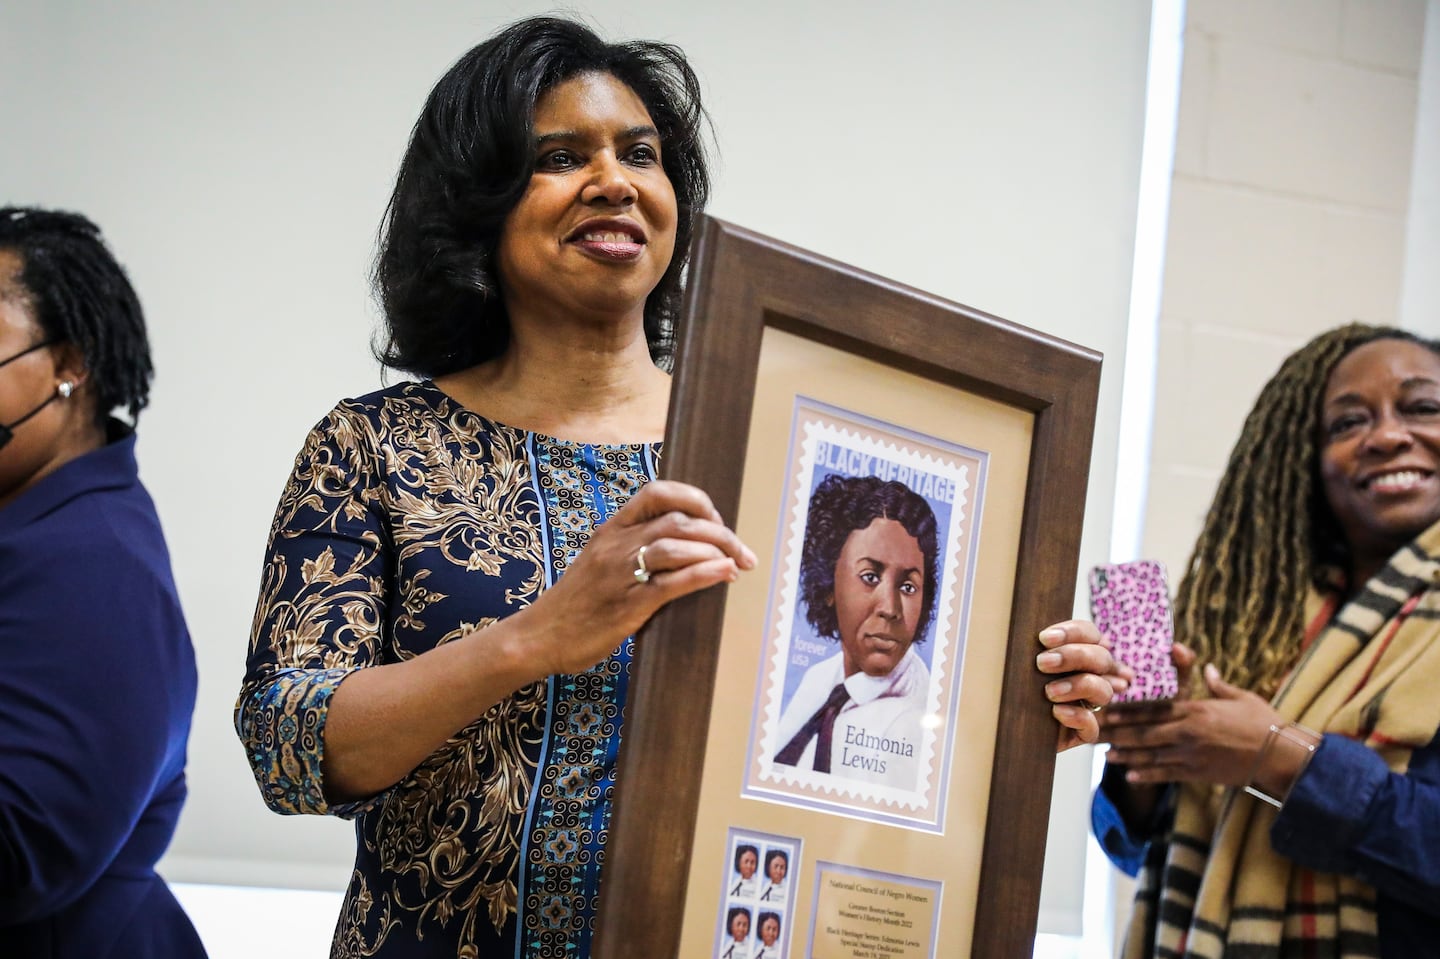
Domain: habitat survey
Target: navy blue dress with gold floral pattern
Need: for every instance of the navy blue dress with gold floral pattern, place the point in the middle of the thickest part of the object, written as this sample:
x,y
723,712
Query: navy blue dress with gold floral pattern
x,y
407,522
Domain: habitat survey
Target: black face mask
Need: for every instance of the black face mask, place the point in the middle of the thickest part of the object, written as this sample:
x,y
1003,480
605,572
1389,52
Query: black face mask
x,y
7,431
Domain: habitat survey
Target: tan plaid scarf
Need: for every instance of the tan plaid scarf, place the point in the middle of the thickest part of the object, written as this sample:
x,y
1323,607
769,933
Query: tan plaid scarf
x,y
1214,889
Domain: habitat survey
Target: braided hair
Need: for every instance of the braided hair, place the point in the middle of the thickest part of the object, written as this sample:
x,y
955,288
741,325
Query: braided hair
x,y
79,294
1270,534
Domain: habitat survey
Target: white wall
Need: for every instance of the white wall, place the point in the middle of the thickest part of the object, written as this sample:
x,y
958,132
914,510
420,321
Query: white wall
x,y
1420,289
1293,172
239,157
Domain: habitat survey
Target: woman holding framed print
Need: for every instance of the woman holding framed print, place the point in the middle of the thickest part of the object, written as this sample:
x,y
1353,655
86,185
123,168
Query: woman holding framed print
x,y
441,646
457,565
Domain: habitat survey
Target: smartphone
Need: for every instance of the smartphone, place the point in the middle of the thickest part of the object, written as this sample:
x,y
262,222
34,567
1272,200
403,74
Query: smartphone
x,y
1130,605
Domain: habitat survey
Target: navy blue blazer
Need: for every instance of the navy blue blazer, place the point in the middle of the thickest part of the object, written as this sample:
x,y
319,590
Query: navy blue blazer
x,y
97,685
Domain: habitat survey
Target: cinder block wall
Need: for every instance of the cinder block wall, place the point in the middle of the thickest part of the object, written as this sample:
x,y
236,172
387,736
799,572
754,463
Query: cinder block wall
x,y
1288,215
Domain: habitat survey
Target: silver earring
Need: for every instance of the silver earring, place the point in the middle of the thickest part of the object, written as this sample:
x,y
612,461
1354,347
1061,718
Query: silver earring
x,y
65,389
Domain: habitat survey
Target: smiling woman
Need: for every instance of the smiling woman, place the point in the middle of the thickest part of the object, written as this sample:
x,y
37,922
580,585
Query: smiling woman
x,y
1313,599
457,566
418,662
592,260
1380,454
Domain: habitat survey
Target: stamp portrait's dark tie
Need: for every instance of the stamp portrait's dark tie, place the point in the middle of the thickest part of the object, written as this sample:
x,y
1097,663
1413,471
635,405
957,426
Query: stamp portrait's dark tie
x,y
821,724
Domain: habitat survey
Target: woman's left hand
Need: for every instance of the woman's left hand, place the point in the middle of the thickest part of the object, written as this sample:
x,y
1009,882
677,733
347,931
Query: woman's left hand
x,y
1086,676
1211,740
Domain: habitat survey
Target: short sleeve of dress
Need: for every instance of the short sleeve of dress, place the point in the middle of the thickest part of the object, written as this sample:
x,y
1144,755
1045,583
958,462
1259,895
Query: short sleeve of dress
x,y
321,611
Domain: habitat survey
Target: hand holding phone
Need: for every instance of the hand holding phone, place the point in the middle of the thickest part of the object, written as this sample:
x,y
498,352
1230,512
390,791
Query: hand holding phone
x,y
1130,605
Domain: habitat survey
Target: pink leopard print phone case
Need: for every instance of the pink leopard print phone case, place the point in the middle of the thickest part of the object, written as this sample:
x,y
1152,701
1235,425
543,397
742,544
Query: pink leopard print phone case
x,y
1130,604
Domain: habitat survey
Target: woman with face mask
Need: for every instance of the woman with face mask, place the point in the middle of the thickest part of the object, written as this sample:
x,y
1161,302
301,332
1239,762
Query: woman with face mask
x,y
98,676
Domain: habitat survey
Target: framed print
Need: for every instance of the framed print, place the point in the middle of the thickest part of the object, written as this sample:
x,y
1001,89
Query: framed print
x,y
911,473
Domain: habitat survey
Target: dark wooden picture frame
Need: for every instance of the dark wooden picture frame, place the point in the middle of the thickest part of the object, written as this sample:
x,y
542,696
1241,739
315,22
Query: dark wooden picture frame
x,y
740,284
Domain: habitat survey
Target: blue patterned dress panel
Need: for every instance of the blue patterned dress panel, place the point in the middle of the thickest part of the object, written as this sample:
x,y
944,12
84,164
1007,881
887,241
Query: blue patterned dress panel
x,y
579,487
409,522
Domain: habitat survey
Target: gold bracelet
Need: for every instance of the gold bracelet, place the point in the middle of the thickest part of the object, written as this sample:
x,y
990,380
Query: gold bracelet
x,y
1297,736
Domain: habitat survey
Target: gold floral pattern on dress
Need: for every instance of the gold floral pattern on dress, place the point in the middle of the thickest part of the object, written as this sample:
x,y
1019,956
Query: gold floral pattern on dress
x,y
408,522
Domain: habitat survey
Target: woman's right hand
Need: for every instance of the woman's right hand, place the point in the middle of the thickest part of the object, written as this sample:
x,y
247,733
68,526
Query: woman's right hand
x,y
599,600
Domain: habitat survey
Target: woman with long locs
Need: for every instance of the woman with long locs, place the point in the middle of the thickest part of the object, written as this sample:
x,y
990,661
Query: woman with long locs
x,y
1286,803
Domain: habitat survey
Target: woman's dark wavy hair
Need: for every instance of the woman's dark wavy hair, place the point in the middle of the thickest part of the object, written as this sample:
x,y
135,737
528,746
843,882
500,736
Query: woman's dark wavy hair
x,y
79,294
760,920
742,850
773,855
468,163
841,505
1270,533
730,917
